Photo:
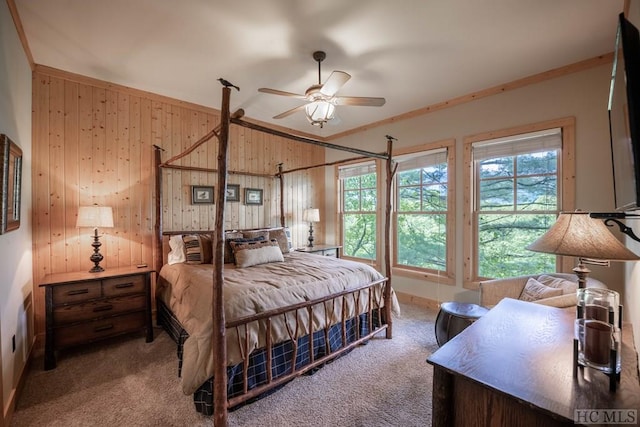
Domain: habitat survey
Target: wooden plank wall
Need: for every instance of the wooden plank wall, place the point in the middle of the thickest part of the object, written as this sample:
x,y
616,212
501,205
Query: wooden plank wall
x,y
93,143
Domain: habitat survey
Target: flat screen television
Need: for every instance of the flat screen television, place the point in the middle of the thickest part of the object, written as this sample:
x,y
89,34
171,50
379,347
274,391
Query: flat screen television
x,y
624,117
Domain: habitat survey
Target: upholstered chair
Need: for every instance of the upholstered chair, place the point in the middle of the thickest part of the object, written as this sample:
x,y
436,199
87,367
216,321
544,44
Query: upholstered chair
x,y
553,289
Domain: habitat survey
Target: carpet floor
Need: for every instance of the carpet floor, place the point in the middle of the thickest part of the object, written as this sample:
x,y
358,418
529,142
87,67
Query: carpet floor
x,y
127,382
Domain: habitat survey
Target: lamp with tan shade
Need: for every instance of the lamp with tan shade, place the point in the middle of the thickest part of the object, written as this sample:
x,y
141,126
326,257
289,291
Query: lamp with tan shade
x,y
578,235
598,325
95,216
311,215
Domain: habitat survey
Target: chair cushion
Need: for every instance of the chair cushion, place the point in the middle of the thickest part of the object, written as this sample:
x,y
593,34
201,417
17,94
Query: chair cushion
x,y
535,290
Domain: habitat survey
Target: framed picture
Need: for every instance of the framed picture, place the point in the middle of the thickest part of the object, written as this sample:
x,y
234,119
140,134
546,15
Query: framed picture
x,y
201,194
10,184
252,196
233,193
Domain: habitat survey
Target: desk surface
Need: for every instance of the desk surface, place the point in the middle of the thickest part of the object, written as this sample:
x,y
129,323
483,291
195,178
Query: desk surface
x,y
525,351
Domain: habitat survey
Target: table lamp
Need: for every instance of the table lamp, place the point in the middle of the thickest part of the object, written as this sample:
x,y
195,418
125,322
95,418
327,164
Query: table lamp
x,y
577,234
95,216
311,215
597,342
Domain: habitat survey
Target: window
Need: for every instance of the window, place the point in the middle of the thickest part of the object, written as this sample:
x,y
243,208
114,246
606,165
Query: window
x,y
422,205
358,186
517,185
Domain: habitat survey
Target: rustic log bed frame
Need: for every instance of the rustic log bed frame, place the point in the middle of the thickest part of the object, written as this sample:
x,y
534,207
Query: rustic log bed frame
x,y
221,401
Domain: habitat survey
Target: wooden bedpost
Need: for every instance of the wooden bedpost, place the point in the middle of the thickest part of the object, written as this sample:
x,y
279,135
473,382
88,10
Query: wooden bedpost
x,y
158,210
217,300
387,247
281,177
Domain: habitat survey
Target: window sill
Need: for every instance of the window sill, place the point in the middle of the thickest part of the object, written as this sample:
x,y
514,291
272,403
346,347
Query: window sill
x,y
423,275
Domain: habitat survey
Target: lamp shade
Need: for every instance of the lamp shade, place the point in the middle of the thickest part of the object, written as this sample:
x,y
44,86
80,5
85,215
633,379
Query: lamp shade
x,y
95,216
577,234
311,215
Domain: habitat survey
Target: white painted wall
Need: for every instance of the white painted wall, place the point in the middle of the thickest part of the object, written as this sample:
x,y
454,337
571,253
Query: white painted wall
x,y
15,247
581,95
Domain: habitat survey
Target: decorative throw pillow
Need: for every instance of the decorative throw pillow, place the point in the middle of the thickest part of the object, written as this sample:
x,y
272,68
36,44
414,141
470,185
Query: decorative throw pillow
x,y
256,233
567,286
248,254
176,254
535,290
206,242
228,252
280,235
197,248
239,240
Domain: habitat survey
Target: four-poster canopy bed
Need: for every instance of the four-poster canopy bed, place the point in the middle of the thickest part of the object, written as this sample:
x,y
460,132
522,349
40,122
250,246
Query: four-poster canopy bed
x,y
286,315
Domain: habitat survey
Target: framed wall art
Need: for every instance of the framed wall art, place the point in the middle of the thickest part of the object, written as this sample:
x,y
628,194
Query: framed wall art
x,y
252,196
10,184
201,194
233,193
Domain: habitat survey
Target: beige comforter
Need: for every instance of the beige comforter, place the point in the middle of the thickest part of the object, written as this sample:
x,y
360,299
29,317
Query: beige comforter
x,y
187,289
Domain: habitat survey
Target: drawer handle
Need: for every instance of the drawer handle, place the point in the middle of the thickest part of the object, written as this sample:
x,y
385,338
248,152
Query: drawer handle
x,y
124,285
103,328
103,308
78,292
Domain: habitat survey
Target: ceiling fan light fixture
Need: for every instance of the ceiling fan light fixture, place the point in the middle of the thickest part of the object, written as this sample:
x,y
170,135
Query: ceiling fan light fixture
x,y
322,97
319,112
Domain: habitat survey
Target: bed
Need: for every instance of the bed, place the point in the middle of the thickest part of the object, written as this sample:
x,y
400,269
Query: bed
x,y
256,344
349,308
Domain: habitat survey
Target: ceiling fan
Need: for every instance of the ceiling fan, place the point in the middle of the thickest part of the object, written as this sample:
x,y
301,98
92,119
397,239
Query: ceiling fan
x,y
321,98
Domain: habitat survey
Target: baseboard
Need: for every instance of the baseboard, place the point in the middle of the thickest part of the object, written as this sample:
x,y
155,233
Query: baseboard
x,y
416,300
17,391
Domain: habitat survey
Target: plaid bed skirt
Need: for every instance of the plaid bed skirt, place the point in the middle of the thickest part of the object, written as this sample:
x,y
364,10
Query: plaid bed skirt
x,y
282,355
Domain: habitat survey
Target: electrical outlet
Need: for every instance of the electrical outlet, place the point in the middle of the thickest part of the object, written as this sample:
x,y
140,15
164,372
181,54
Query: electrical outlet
x,y
13,343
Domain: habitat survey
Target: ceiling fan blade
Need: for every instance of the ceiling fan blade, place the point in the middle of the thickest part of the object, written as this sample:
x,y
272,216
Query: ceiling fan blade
x,y
280,92
333,84
289,112
359,101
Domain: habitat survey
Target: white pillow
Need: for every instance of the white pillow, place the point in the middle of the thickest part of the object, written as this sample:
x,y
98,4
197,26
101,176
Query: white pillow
x,y
177,253
567,286
535,290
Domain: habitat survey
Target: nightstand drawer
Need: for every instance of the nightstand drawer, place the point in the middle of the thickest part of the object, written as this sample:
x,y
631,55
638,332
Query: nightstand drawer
x,y
75,292
96,309
91,331
330,252
122,285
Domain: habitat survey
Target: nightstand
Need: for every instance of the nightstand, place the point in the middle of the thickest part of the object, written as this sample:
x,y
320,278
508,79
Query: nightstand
x,y
83,307
324,250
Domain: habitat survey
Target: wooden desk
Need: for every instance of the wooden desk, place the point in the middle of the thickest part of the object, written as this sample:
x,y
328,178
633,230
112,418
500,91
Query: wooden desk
x,y
513,367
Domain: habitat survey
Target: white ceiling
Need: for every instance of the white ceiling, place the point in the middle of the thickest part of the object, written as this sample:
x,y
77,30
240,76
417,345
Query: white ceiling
x,y
414,53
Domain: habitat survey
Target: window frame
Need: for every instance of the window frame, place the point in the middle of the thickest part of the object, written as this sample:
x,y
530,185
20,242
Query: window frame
x,y
445,277
566,189
377,261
